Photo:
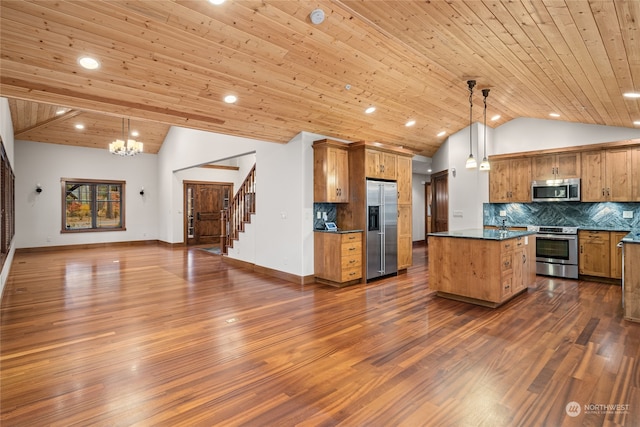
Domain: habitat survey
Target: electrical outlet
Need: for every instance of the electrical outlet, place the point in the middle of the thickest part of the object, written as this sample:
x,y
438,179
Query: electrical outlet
x,y
457,214
503,213
319,215
627,214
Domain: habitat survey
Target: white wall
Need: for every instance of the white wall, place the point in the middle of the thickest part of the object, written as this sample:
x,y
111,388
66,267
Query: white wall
x,y
418,210
525,134
6,132
282,227
39,216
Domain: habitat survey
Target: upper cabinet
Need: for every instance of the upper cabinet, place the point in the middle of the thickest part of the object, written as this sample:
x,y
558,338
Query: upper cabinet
x,y
330,172
510,181
380,164
609,175
555,166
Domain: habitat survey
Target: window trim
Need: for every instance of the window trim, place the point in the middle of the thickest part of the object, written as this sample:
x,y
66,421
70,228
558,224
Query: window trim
x,y
7,204
63,186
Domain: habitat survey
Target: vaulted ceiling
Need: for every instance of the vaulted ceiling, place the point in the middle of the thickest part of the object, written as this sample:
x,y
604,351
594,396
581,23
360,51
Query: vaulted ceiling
x,y
168,63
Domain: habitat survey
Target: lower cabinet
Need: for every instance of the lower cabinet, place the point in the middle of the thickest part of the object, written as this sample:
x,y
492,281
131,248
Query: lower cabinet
x,y
599,255
338,257
479,271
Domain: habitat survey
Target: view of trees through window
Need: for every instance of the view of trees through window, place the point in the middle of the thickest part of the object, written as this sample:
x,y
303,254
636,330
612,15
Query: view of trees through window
x,y
93,205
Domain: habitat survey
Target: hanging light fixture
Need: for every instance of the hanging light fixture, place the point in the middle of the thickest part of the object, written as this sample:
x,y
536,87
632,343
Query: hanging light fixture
x,y
125,146
484,165
471,161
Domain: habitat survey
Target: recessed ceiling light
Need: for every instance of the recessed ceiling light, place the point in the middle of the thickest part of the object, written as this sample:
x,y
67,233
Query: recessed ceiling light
x,y
496,117
135,133
61,111
443,133
410,123
631,95
79,126
370,110
217,2
230,99
317,16
637,123
554,114
88,62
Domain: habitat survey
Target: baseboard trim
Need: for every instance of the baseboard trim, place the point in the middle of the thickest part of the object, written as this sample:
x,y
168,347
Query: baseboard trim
x,y
89,246
293,278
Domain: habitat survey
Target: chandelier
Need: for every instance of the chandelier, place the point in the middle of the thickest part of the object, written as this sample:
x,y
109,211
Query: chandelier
x,y
125,146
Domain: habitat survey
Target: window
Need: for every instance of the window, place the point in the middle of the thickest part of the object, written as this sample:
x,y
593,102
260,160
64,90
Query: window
x,y
90,205
7,203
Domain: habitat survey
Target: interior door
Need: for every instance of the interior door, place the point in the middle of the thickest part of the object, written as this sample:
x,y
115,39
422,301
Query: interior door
x,y
440,201
203,205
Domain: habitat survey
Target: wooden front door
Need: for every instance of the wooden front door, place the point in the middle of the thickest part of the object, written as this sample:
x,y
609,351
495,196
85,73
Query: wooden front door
x,y
440,199
203,205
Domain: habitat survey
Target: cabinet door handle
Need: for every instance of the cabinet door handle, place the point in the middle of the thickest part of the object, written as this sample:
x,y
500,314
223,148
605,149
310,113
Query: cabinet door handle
x,y
608,193
352,249
524,259
581,249
603,191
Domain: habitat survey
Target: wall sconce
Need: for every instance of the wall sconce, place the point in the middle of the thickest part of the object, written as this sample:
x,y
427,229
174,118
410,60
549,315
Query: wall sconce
x,y
38,188
142,191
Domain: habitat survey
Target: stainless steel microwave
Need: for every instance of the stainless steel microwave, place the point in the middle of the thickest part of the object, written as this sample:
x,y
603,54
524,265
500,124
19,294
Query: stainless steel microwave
x,y
556,190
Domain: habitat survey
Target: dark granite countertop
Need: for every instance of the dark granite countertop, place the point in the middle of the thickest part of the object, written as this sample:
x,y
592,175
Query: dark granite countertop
x,y
632,237
340,231
484,234
600,228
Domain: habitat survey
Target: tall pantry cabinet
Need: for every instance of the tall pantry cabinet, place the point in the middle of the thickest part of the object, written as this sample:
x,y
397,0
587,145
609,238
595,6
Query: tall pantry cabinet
x,y
379,161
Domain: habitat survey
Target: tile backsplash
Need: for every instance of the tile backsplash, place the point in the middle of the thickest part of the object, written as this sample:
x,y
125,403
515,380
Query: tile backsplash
x,y
324,208
607,215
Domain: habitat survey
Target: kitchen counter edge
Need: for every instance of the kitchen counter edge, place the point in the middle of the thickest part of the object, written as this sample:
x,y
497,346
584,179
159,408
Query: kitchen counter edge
x,y
483,234
338,232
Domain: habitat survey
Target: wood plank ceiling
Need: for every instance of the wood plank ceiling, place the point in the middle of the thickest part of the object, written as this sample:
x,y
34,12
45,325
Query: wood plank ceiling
x,y
172,62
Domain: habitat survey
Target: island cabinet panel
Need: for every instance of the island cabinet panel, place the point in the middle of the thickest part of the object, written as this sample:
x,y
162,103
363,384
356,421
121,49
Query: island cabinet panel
x,y
338,257
484,272
330,172
631,291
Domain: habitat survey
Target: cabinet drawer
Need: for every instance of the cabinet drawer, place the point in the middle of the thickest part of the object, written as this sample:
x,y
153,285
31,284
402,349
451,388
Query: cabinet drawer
x,y
506,262
352,237
351,261
507,245
594,235
351,248
351,274
507,286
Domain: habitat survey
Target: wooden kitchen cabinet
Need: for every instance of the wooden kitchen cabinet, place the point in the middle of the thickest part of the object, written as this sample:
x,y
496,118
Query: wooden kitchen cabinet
x,y
510,181
405,236
616,253
594,257
338,257
330,172
631,286
635,173
500,269
555,166
380,164
608,175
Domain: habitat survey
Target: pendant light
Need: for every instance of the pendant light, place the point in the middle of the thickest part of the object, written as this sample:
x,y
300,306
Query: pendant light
x,y
484,165
471,161
126,146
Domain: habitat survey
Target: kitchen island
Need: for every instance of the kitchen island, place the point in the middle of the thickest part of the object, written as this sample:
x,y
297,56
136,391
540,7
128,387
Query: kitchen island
x,y
480,266
631,276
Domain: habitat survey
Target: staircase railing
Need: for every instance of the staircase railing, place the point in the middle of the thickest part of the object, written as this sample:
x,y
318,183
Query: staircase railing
x,y
239,211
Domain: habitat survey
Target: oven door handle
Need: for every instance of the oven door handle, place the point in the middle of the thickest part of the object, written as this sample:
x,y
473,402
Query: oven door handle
x,y
556,237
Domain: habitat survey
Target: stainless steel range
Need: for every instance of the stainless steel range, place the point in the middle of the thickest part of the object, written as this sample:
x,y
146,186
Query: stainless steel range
x,y
556,251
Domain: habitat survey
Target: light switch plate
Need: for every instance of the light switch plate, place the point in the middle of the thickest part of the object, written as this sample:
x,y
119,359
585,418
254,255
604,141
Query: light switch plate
x,y
627,214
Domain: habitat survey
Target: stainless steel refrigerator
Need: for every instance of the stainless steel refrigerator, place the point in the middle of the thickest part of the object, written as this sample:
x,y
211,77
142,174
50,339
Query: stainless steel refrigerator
x,y
382,228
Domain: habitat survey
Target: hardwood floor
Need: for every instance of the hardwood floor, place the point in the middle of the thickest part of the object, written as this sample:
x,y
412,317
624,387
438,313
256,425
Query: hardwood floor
x,y
155,336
